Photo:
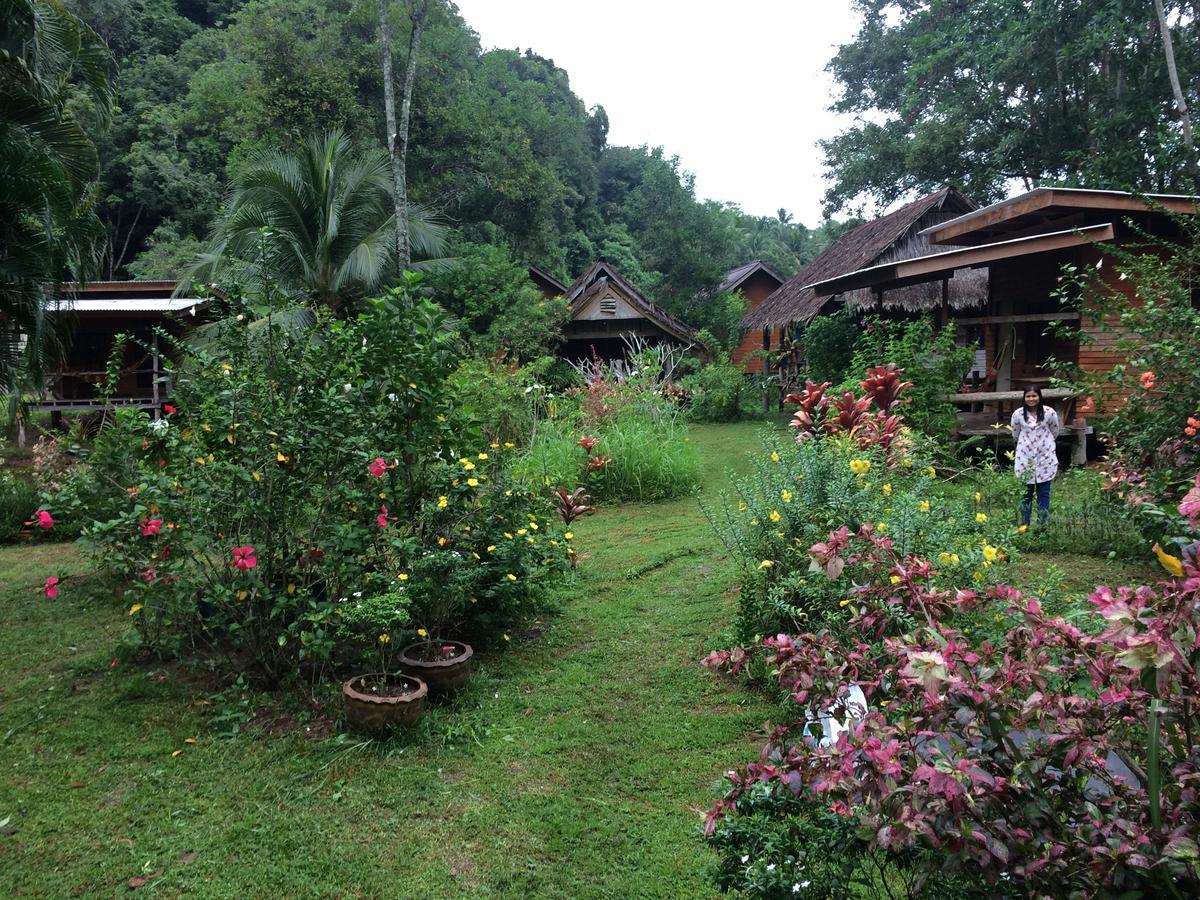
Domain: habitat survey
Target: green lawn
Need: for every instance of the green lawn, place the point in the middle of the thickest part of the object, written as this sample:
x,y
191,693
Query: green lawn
x,y
570,768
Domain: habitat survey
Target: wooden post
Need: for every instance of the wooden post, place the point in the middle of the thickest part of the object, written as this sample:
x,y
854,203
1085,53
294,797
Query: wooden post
x,y
154,375
945,301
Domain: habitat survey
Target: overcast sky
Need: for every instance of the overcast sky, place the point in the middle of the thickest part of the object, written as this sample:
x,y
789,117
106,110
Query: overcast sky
x,y
736,89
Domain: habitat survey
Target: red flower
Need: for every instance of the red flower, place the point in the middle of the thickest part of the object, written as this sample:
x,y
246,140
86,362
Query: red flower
x,y
839,808
597,462
589,443
50,588
382,519
44,518
151,527
377,467
168,408
1147,380
244,558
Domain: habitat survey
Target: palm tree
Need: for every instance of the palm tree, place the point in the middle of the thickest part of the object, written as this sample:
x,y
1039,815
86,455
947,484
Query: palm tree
x,y
318,223
48,172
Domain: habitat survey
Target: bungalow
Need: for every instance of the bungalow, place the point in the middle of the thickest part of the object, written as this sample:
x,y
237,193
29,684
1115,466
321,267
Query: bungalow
x,y
777,322
755,281
100,311
1019,247
605,309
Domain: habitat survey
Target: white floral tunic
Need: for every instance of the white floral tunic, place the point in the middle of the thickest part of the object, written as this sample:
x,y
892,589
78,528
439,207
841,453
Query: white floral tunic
x,y
1036,458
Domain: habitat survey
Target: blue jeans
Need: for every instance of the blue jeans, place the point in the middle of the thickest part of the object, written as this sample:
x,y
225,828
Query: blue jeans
x,y
1042,488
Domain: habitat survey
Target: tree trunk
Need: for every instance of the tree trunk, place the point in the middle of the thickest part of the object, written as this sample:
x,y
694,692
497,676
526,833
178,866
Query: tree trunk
x,y
1180,103
397,133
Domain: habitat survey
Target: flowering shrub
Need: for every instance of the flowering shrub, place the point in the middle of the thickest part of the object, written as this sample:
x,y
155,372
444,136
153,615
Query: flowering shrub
x,y
1056,760
302,469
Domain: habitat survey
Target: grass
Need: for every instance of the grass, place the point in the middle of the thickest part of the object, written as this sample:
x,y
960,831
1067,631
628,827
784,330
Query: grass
x,y
569,769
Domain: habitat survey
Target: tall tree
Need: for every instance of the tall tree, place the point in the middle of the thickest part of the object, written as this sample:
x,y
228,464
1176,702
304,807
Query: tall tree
x,y
318,223
418,13
56,75
1176,88
983,93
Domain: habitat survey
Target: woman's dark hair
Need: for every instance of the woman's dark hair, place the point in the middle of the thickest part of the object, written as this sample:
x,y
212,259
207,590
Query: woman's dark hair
x,y
1041,408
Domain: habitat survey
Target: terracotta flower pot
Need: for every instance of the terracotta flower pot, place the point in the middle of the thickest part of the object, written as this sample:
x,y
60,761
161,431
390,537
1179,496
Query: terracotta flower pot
x,y
443,675
374,701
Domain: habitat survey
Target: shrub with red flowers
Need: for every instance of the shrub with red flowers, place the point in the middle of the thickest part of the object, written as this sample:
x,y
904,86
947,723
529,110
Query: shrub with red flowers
x,y
1057,759
305,468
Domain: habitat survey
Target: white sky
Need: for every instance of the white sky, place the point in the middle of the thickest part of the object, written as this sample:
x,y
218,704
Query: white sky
x,y
736,89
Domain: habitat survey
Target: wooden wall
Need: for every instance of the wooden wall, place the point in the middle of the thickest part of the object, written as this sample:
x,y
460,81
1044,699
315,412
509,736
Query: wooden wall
x,y
757,288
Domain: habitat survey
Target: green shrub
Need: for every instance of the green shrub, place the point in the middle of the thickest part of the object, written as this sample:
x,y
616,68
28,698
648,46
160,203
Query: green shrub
x,y
300,469
829,343
721,392
19,497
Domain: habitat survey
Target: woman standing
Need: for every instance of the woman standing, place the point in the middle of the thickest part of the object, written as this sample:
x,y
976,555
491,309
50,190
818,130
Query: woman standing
x,y
1034,427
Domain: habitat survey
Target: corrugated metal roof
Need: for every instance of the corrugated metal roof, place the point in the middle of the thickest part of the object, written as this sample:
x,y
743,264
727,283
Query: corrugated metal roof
x,y
126,304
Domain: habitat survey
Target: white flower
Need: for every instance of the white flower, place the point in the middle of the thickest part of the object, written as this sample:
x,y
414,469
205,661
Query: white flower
x,y
347,388
358,593
745,859
393,397
158,426
528,389
241,318
771,867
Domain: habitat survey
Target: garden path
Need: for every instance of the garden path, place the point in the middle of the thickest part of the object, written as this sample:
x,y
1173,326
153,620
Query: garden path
x,y
570,768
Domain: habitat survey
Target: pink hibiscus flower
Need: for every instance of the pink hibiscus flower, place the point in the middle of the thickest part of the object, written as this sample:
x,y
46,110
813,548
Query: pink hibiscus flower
x,y
50,588
244,558
382,519
377,467
1147,380
44,519
151,527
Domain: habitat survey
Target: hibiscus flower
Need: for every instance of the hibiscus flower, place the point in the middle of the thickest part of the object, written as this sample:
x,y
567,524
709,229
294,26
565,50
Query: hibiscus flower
x,y
382,519
244,558
44,519
151,527
50,588
377,467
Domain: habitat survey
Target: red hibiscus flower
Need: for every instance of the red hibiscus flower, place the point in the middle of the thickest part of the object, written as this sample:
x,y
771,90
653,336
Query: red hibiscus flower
x,y
151,527
382,519
168,408
244,558
44,519
1147,380
377,467
50,588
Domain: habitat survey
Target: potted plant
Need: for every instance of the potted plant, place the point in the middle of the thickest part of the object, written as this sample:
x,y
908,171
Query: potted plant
x,y
444,665
384,696
441,583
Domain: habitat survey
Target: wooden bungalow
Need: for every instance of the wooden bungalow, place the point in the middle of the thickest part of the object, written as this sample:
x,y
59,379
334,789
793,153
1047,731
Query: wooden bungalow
x,y
1020,245
550,286
605,308
902,234
100,310
756,281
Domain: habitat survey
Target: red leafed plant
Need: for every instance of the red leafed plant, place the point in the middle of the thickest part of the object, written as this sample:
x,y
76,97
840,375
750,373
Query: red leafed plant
x,y
849,414
1056,761
883,386
573,505
812,404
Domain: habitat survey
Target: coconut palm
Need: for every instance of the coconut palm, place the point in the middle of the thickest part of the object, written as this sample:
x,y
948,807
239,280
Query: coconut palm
x,y
317,223
48,171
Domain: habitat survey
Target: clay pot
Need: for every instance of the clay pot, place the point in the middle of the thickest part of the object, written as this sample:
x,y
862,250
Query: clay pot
x,y
444,676
372,710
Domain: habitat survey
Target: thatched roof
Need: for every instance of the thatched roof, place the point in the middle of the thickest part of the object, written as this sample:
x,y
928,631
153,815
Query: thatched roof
x,y
738,276
866,245
601,273
546,283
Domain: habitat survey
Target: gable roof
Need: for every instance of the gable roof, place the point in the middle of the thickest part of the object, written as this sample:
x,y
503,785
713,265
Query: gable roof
x,y
796,301
545,281
601,273
737,276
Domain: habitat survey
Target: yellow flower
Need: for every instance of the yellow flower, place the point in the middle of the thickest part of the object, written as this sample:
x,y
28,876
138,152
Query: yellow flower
x,y
932,472
977,575
472,482
522,530
136,608
775,516
491,548
785,496
443,501
509,444
845,602
1171,563
741,506
1008,454
860,466
1021,529
754,521
467,464
200,460
421,632
256,476
568,536
990,553
895,579
403,576
384,638
533,525
176,753
291,588
978,497
441,418
508,535
474,600
413,385
242,595
483,456
923,506
506,637
511,577
765,564
954,559
887,490
494,445
774,456
441,542
881,527
980,517
280,457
